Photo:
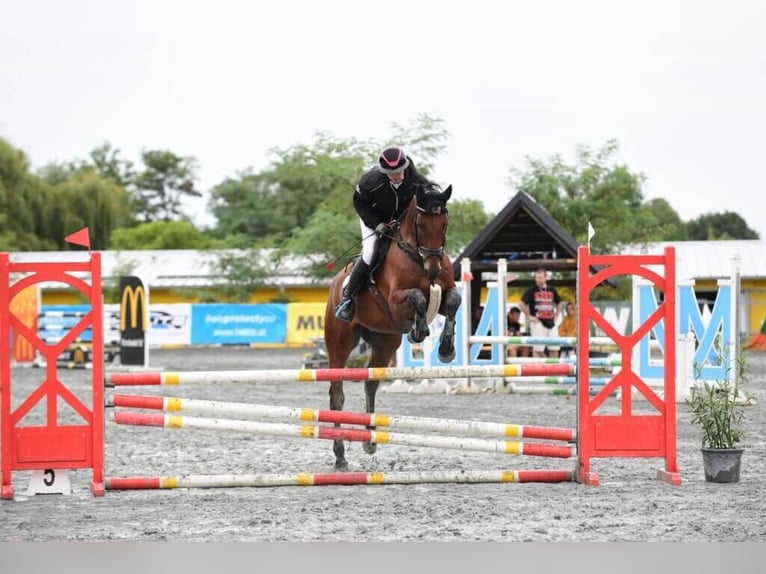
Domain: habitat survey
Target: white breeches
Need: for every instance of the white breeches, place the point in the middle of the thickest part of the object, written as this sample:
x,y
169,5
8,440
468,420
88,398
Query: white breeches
x,y
368,242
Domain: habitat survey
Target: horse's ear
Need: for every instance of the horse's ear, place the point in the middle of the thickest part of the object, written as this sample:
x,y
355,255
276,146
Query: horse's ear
x,y
447,193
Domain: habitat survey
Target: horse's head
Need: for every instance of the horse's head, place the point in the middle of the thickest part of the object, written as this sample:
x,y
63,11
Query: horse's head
x,y
426,226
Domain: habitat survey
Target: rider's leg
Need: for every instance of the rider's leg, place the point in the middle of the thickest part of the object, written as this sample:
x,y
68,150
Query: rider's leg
x,y
345,309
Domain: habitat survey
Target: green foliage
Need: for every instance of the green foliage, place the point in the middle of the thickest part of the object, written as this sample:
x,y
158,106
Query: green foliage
x,y
284,197
726,225
719,408
162,235
159,189
22,199
106,161
670,225
243,272
593,189
466,220
85,199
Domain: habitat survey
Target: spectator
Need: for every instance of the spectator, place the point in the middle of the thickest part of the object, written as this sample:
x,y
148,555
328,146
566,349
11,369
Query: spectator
x,y
568,327
541,303
515,329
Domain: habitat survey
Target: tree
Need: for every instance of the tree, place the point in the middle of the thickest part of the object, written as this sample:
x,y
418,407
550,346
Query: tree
x,y
671,228
284,196
593,190
725,225
106,161
162,235
242,272
159,189
22,199
85,199
466,220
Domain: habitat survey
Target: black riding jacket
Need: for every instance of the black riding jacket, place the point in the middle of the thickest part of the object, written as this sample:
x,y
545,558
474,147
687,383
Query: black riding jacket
x,y
377,201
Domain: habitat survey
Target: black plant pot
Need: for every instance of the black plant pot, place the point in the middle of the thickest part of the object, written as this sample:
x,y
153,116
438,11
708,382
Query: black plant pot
x,y
722,465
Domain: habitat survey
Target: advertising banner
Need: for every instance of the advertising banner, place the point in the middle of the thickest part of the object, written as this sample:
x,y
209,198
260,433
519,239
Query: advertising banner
x,y
170,325
238,324
305,322
134,321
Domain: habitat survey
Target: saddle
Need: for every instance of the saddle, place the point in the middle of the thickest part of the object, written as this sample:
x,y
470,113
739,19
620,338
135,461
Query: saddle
x,y
381,249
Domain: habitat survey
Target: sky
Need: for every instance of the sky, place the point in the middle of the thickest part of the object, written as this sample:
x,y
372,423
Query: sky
x,y
680,85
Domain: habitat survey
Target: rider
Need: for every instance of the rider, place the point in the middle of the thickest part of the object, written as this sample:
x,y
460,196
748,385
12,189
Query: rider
x,y
382,195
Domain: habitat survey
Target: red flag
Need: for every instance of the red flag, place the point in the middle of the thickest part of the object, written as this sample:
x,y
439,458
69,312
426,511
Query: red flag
x,y
81,237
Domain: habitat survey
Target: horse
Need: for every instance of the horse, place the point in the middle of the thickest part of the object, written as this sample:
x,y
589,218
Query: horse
x,y
413,281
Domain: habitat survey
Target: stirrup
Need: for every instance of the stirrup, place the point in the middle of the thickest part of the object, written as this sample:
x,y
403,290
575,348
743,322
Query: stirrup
x,y
345,310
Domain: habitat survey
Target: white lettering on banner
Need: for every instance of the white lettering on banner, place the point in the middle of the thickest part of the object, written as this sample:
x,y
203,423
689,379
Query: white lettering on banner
x,y
242,332
226,319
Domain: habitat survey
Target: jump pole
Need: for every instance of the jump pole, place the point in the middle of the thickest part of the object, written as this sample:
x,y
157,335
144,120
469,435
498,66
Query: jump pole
x,y
338,479
347,434
331,375
475,428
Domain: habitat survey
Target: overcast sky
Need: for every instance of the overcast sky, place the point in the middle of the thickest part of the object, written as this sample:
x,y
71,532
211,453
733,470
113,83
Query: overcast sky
x,y
680,85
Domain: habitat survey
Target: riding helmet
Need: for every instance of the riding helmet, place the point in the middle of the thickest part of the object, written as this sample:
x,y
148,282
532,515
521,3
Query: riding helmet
x,y
392,160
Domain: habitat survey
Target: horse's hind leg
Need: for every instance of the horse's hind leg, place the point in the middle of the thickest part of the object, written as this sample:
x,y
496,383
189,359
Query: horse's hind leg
x,y
383,349
337,399
340,338
451,303
370,390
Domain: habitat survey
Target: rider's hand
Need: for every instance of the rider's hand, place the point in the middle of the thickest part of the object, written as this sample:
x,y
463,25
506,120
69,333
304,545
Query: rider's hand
x,y
382,229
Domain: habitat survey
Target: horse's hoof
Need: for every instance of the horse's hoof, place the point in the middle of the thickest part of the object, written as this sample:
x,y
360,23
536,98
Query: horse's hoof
x,y
448,358
417,338
369,447
341,465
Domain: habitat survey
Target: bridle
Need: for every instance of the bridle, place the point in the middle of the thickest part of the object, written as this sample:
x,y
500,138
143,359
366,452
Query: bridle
x,y
420,253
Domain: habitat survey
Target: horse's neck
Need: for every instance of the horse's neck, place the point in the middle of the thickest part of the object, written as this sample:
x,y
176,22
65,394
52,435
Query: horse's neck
x,y
407,227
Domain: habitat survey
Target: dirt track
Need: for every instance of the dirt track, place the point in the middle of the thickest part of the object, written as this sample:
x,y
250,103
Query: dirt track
x,y
629,505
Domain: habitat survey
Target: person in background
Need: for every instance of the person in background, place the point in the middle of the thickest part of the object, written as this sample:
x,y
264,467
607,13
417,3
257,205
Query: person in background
x,y
541,303
514,328
568,328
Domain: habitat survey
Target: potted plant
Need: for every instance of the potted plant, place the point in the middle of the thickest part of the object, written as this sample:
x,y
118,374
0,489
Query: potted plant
x,y
719,409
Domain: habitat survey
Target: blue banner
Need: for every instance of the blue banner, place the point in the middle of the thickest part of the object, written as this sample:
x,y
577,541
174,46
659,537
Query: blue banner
x,y
233,324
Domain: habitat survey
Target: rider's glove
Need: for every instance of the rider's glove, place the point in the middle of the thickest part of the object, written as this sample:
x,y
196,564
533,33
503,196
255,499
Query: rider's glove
x,y
382,229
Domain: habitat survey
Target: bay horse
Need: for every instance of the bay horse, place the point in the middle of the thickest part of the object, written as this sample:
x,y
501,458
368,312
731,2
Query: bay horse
x,y
414,281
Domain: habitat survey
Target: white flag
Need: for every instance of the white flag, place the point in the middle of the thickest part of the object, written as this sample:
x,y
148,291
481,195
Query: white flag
x,y
591,233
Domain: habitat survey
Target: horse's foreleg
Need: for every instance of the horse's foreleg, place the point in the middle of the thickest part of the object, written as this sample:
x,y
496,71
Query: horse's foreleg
x,y
420,327
337,399
370,389
452,301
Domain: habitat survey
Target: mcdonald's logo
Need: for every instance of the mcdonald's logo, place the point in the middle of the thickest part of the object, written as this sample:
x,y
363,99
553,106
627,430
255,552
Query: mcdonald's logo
x,y
134,321
133,302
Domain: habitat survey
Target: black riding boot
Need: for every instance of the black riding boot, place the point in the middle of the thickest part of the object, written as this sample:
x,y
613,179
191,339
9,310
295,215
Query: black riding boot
x,y
345,310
